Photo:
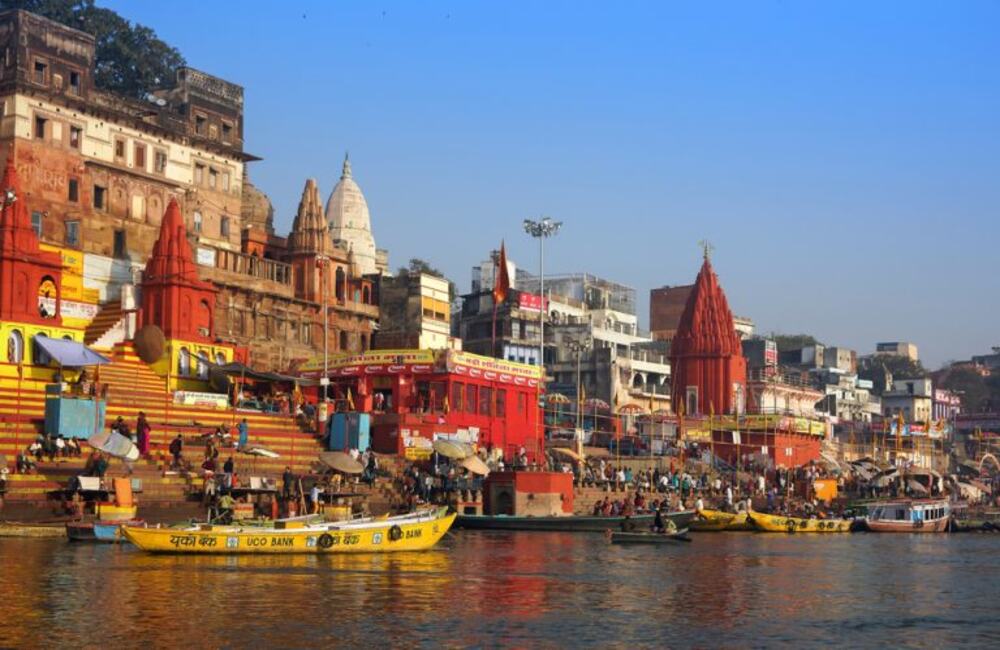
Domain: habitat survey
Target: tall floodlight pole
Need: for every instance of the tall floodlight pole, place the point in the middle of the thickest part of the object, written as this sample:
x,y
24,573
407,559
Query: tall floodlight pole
x,y
323,262
546,227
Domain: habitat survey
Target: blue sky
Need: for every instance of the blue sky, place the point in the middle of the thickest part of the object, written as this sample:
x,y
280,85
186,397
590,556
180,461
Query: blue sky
x,y
843,158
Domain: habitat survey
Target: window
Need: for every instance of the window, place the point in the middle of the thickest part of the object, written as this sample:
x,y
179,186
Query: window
x,y
75,134
74,190
41,72
197,221
100,196
120,247
224,227
227,132
199,124
470,399
485,400
139,157
199,173
160,162
36,223
72,233
522,402
456,397
40,127
39,356
184,362
225,182
501,409
213,178
202,365
119,150
15,347
74,83
307,333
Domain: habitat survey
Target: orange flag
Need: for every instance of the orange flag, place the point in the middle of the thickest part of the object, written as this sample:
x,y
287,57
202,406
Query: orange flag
x,y
501,285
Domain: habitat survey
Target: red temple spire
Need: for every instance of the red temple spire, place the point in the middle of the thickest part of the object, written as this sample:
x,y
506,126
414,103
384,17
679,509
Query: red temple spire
x,y
173,296
706,353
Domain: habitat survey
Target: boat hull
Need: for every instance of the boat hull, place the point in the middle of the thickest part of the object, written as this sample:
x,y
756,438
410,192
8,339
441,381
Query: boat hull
x,y
380,537
937,526
649,538
98,531
716,521
780,524
569,524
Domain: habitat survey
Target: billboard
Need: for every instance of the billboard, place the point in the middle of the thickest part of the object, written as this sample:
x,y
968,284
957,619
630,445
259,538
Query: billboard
x,y
531,302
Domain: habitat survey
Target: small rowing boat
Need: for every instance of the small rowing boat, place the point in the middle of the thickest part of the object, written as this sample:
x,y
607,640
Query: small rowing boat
x,y
649,537
717,520
781,524
567,524
98,531
416,533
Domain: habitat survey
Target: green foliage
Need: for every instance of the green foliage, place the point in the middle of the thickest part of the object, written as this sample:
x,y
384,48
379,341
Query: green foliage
x,y
131,60
418,266
900,367
792,341
978,393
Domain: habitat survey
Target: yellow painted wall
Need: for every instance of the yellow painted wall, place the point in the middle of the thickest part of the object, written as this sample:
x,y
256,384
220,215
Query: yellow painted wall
x,y
28,332
170,363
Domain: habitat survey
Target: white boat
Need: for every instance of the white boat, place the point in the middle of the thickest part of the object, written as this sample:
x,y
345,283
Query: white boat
x,y
909,516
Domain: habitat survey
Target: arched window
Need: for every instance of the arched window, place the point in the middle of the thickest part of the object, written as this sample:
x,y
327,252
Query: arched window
x,y
340,282
366,296
203,365
39,357
48,297
343,341
15,347
184,362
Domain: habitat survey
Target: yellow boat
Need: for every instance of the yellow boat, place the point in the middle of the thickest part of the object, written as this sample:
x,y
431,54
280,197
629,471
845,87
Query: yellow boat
x,y
780,524
379,536
716,520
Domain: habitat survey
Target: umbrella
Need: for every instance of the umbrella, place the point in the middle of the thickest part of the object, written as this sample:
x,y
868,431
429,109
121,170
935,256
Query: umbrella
x,y
341,462
567,452
475,465
916,486
597,404
886,478
832,462
631,409
452,449
969,491
557,398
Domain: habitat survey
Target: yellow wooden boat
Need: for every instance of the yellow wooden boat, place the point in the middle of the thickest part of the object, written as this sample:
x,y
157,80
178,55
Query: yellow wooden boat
x,y
781,524
379,536
717,520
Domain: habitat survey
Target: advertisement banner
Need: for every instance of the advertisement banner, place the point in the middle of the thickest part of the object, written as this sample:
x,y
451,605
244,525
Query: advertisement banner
x,y
530,302
192,398
489,368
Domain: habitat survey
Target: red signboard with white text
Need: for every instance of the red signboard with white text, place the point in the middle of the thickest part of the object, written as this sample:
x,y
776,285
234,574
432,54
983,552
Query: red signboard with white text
x,y
530,302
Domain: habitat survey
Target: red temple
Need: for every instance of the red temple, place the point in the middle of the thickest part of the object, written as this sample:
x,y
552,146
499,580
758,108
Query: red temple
x,y
29,277
709,371
173,297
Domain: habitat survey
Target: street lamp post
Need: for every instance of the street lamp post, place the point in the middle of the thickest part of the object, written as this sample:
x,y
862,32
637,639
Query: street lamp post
x,y
546,227
578,347
323,262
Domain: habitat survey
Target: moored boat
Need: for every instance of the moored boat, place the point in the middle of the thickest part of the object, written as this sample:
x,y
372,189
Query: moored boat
x,y
380,536
909,516
717,520
781,524
568,523
649,537
98,531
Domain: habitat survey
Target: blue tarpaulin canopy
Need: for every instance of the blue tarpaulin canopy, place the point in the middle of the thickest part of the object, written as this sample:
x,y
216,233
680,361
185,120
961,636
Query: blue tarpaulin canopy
x,y
70,353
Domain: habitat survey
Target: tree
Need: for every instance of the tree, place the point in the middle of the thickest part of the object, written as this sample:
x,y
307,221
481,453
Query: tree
x,y
131,60
793,341
900,367
969,385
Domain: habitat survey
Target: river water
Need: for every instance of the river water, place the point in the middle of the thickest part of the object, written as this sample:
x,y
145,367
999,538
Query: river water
x,y
515,589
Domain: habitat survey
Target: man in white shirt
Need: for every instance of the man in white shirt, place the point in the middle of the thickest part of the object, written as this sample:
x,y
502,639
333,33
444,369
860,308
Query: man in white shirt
x,y
729,496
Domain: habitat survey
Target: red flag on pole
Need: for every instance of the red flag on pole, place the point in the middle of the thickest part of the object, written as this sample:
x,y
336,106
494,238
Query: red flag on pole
x,y
501,284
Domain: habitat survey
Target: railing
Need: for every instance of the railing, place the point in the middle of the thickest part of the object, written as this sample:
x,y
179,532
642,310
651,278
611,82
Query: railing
x,y
253,266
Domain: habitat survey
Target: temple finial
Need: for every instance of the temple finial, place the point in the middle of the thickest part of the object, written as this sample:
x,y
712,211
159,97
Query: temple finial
x,y
346,173
706,248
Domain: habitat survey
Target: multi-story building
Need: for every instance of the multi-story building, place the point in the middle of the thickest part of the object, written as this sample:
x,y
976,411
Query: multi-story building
x,y
947,405
666,304
98,171
415,312
911,398
898,349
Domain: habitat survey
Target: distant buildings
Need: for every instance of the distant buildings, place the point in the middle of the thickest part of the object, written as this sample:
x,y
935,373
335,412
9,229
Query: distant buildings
x,y
898,349
911,398
415,312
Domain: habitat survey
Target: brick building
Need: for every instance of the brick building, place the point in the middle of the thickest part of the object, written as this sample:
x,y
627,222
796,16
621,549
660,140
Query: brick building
x,y
98,170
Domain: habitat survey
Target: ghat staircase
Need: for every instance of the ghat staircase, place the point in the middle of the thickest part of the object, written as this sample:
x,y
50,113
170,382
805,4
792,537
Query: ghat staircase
x,y
134,387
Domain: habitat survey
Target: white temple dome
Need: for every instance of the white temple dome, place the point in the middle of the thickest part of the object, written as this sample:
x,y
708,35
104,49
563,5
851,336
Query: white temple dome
x,y
349,221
